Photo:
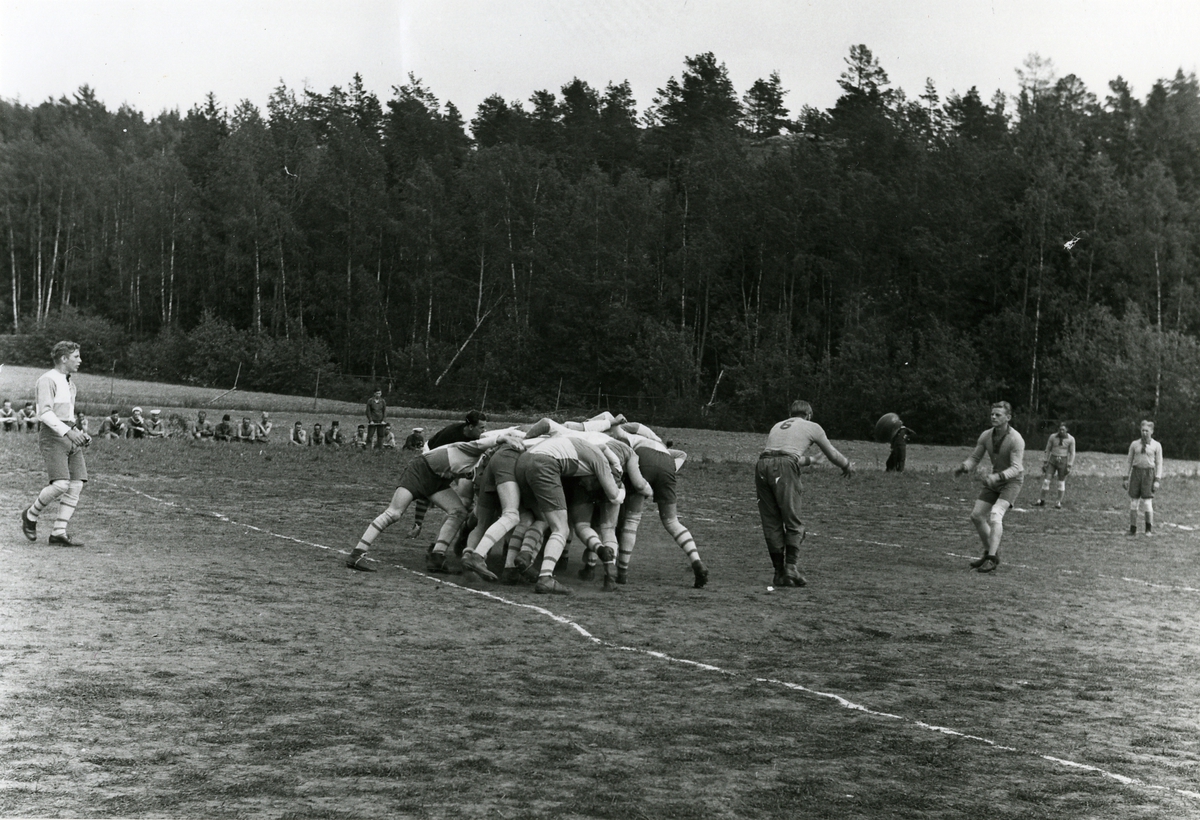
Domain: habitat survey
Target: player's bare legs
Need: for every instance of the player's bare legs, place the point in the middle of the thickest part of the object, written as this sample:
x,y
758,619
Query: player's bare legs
x,y
989,523
559,528
400,501
669,515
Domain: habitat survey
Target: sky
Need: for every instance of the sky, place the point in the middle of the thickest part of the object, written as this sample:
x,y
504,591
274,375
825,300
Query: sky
x,y
164,54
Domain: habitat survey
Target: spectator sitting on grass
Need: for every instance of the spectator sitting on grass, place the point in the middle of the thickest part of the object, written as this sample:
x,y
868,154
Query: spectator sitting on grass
x,y
154,426
415,440
112,426
334,437
8,417
136,426
224,431
360,437
389,438
298,436
246,431
318,436
81,423
262,430
28,418
203,428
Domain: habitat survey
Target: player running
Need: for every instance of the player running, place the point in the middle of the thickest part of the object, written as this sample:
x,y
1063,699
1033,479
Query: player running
x,y
1144,476
1006,449
1060,458
777,484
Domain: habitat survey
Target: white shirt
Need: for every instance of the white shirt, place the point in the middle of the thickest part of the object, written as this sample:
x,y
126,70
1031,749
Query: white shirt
x,y
56,401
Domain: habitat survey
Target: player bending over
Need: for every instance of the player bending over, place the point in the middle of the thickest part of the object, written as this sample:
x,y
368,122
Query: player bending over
x,y
1006,449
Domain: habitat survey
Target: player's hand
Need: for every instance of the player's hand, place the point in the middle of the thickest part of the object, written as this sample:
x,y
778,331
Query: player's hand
x,y
77,437
620,499
1066,471
960,470
1157,483
848,470
992,481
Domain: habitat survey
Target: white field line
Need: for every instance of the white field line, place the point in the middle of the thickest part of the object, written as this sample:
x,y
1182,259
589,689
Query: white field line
x,y
584,633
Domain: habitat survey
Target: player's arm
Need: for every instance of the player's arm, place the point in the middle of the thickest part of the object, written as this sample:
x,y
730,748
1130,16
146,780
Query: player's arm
x,y
1016,461
1158,463
1070,453
831,453
1129,465
634,471
598,463
976,455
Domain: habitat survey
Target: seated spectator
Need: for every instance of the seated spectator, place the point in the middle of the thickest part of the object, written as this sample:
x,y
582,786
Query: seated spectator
x,y
389,438
154,425
317,438
177,426
81,423
136,426
112,426
246,431
360,437
203,428
298,436
8,417
27,417
262,430
334,436
224,431
415,440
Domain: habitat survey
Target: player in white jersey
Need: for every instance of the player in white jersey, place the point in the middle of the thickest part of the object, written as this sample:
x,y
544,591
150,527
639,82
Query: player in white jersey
x,y
1060,458
777,483
61,445
1143,476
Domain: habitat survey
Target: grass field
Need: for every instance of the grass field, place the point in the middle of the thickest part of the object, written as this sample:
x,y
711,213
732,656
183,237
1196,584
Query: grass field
x,y
208,655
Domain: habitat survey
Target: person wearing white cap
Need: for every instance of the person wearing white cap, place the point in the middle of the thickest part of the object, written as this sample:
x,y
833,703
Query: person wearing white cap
x,y
154,425
136,426
415,440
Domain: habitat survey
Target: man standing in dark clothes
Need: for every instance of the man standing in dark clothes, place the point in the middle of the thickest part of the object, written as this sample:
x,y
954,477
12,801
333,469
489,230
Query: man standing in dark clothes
x,y
895,461
376,416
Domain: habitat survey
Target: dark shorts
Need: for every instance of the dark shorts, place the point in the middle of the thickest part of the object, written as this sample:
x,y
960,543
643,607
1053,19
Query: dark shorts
x,y
1056,466
1008,491
1141,482
421,481
501,468
658,469
64,461
540,479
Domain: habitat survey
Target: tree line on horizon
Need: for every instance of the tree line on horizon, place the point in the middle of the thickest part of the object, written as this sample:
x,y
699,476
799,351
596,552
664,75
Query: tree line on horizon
x,y
701,262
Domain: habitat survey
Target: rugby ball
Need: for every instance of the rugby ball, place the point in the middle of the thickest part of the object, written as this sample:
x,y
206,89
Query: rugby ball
x,y
887,426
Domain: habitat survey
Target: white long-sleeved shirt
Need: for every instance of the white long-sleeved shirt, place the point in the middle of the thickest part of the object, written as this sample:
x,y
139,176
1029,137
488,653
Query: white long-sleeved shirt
x,y
55,401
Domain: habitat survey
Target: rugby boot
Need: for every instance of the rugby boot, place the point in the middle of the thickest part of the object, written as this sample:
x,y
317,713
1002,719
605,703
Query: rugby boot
x,y
435,561
476,563
622,575
28,526
587,573
610,584
512,577
793,574
990,563
64,540
701,573
781,580
548,585
358,561
524,559
978,562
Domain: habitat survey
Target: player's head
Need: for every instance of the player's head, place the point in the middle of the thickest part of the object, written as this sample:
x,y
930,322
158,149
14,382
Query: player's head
x,y
223,418
1001,413
299,425
1147,429
800,408
362,428
116,413
378,393
1062,430
154,414
476,423
317,426
67,354
266,416
137,411
333,424
7,404
201,415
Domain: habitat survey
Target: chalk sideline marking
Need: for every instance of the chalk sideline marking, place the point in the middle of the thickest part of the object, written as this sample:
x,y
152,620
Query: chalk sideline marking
x,y
1124,780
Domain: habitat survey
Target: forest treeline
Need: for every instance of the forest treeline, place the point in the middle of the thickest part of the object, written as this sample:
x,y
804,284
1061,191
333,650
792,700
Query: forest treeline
x,y
700,262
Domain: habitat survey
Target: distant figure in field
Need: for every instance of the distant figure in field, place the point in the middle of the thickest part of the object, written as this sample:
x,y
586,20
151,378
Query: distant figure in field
x,y
389,438
224,431
8,417
1060,458
246,431
360,437
415,440
155,428
1006,449
262,430
61,444
317,437
203,428
334,436
81,423
298,436
778,487
1144,476
376,416
28,418
112,426
135,427
899,453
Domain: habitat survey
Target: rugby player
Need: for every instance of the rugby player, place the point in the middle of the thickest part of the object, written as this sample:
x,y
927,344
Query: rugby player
x,y
1006,449
1144,476
61,445
467,430
1060,458
778,487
